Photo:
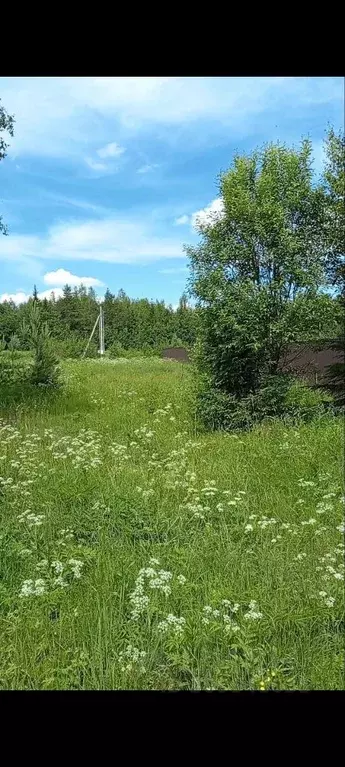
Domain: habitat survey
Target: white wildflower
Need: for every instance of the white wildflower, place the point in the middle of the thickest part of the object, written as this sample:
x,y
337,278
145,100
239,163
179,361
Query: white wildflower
x,y
253,613
57,567
59,581
33,588
173,624
76,566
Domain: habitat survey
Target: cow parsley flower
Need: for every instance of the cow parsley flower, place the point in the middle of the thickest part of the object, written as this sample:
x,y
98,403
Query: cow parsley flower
x,y
76,566
248,528
173,624
33,587
253,613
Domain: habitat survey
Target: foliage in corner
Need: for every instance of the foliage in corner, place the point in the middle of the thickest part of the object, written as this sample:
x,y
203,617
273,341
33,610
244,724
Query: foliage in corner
x,y
6,125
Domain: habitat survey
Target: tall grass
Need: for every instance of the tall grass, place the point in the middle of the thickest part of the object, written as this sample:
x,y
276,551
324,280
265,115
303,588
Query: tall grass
x,y
136,553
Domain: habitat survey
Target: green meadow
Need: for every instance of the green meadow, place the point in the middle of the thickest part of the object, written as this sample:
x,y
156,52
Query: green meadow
x,y
137,552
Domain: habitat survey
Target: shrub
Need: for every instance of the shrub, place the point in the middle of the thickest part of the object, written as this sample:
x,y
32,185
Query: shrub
x,y
116,350
73,348
13,346
279,396
14,371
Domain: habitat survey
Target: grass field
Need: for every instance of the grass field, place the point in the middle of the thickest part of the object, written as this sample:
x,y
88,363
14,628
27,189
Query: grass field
x,y
138,554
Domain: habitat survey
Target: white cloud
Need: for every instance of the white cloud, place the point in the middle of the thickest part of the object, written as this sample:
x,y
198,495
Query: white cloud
x,y
21,298
114,240
64,277
18,298
147,168
110,150
72,112
94,165
181,220
58,292
212,213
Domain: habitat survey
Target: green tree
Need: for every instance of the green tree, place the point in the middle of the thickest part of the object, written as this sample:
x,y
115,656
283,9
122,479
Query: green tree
x,y
6,126
45,370
334,186
185,322
259,268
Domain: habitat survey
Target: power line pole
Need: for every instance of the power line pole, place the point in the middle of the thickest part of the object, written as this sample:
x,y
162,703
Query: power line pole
x,y
100,323
101,331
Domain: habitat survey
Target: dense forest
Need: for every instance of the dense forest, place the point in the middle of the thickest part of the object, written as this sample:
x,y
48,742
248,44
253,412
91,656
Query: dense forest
x,y
131,326
137,325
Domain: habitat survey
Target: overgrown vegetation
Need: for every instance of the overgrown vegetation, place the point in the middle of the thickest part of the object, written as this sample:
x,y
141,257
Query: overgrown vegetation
x,y
136,554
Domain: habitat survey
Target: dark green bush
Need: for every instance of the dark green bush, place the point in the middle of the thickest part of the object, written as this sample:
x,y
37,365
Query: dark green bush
x,y
73,348
14,371
117,351
280,396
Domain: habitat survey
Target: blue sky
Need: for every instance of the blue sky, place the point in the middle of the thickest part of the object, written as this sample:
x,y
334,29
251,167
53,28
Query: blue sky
x,y
105,176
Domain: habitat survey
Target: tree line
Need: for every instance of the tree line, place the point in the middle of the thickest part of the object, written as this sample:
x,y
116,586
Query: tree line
x,y
130,325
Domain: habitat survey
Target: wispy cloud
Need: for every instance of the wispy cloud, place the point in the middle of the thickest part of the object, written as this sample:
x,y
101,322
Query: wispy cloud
x,y
94,165
64,277
115,240
59,199
68,110
147,168
181,220
110,150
